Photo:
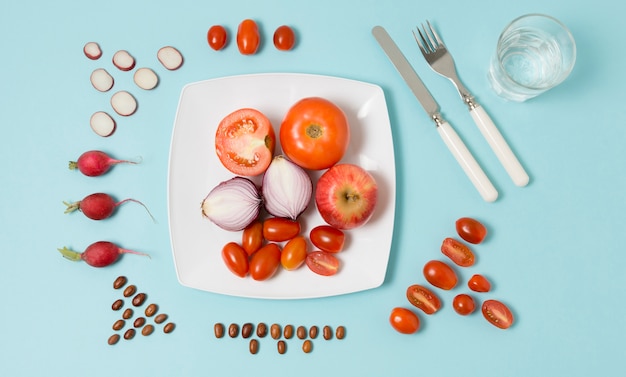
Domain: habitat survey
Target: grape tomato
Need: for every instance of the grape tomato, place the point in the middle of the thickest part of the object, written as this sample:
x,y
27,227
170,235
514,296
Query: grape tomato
x,y
404,321
216,37
248,37
327,238
252,237
463,304
264,263
284,38
479,283
471,230
294,253
440,274
235,258
279,229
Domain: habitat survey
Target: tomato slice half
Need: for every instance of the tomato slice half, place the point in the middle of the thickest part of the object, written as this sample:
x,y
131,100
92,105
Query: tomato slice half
x,y
423,298
322,263
498,314
245,142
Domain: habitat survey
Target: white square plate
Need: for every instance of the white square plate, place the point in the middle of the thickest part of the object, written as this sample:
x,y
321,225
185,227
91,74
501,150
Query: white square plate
x,y
194,170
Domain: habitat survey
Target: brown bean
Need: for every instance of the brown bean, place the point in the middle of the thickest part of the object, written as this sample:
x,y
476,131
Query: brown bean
x,y
328,333
139,299
117,304
282,347
288,332
246,330
341,332
261,330
169,327
147,330
233,330
160,318
307,346
151,310
218,329
130,290
128,313
313,330
275,331
301,332
129,334
140,321
119,324
113,339
119,282
254,346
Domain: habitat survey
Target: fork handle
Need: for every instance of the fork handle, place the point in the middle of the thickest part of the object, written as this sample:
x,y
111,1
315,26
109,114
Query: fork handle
x,y
467,162
499,146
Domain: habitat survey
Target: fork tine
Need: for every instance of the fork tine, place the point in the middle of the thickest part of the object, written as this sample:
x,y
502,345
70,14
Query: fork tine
x,y
425,41
432,29
422,48
431,41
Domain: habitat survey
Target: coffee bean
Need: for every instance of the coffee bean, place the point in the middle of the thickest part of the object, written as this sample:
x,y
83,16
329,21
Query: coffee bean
x,y
140,321
246,330
275,331
117,304
113,339
119,324
151,310
288,332
261,330
233,330
218,329
169,327
129,334
147,330
254,346
341,332
313,332
139,299
128,313
119,282
301,332
130,290
282,347
328,333
307,346
160,318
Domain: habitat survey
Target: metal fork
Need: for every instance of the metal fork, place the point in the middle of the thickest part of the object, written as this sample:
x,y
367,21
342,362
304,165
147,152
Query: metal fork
x,y
437,55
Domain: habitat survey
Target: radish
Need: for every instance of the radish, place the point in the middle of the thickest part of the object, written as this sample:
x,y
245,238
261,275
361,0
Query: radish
x,y
170,57
95,163
98,254
92,50
102,124
124,103
101,80
99,206
123,60
145,78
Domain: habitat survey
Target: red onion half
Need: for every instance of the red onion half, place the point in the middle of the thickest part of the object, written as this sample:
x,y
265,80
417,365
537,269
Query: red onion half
x,y
233,204
286,188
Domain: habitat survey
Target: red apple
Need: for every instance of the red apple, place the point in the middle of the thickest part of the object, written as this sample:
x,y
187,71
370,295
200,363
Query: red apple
x,y
346,196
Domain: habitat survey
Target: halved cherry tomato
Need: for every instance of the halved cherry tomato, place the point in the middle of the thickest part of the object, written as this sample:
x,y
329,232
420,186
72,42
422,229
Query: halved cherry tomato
x,y
463,304
404,321
294,253
252,237
235,258
264,263
322,263
497,314
284,38
327,238
315,133
423,298
440,274
471,230
479,283
245,142
458,252
216,36
248,37
279,229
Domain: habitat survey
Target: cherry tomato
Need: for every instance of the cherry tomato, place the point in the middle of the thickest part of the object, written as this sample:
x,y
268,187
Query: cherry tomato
x,y
497,314
248,37
440,274
252,237
322,263
315,133
235,258
404,321
463,304
423,298
294,253
458,252
278,229
264,263
471,230
245,142
284,38
216,36
327,238
479,283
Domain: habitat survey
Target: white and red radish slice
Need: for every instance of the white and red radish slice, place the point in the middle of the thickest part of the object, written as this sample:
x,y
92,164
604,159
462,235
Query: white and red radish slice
x,y
170,57
101,80
102,124
145,78
92,50
123,60
123,103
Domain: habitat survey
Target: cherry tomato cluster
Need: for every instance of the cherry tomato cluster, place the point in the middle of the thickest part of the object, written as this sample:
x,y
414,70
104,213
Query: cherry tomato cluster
x,y
274,242
442,275
249,37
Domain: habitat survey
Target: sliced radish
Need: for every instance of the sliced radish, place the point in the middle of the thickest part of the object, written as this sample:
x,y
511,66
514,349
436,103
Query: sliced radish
x,y
101,80
145,78
123,103
92,51
170,57
102,124
123,60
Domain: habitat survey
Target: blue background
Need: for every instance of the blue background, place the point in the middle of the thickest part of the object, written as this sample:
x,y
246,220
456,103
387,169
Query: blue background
x,y
554,252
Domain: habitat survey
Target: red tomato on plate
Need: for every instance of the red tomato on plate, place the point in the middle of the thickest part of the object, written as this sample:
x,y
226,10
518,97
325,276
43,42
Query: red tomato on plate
x,y
322,263
252,237
245,142
279,229
264,263
327,238
235,258
404,321
248,37
294,253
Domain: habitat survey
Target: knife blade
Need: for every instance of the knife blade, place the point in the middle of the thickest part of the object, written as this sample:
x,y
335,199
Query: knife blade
x,y
452,140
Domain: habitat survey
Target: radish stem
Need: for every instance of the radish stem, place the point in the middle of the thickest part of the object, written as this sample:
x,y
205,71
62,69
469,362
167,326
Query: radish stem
x,y
72,255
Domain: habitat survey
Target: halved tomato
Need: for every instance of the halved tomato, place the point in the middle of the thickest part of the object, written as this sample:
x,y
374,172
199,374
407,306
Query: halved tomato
x,y
497,314
423,298
245,142
322,263
458,252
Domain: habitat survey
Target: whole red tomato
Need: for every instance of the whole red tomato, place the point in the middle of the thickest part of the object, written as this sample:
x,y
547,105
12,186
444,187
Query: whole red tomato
x,y
479,283
327,238
294,253
440,274
248,37
315,133
252,237
471,230
235,258
279,229
284,38
404,321
463,304
216,36
264,263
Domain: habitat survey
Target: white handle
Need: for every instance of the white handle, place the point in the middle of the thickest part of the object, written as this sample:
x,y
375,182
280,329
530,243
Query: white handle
x,y
499,146
467,162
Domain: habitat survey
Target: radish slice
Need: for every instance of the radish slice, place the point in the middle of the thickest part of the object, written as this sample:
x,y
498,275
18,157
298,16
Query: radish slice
x,y
123,103
123,60
92,51
101,80
102,124
145,78
170,57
